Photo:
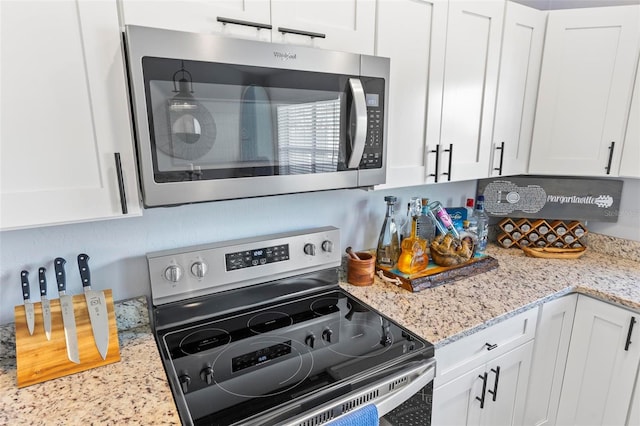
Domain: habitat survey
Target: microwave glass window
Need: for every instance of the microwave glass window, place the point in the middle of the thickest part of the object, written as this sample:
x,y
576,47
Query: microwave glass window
x,y
215,121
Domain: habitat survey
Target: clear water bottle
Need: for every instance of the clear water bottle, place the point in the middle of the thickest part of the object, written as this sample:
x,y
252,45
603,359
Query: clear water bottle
x,y
388,249
426,229
482,220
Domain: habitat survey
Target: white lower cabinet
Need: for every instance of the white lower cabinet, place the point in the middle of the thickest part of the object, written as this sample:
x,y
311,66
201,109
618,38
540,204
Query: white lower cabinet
x,y
482,379
553,334
634,410
601,366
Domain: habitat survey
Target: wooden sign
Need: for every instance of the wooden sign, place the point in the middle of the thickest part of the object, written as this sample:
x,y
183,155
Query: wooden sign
x,y
552,198
39,359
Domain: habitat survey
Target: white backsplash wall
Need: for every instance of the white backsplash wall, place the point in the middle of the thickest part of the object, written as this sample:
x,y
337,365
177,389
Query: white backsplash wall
x,y
117,248
628,224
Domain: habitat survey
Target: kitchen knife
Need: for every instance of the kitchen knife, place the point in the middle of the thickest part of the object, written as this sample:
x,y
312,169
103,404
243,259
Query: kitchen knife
x,y
97,305
68,316
46,306
28,305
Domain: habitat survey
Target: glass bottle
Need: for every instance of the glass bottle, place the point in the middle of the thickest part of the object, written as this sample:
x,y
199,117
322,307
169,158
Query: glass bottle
x,y
388,248
442,219
414,257
426,229
470,236
483,224
413,209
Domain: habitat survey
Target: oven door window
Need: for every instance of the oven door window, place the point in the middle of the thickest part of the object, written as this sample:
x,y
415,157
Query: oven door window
x,y
218,121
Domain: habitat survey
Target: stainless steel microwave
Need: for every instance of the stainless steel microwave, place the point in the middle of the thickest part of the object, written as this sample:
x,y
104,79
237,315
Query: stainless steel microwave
x,y
220,118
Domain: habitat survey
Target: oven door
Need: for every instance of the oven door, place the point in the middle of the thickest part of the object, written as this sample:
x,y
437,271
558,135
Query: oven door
x,y
220,118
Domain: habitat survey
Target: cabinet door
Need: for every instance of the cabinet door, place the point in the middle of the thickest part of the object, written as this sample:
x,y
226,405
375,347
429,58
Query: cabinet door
x,y
586,82
520,61
630,163
507,387
601,366
200,16
347,25
64,115
409,46
458,401
553,335
468,88
634,410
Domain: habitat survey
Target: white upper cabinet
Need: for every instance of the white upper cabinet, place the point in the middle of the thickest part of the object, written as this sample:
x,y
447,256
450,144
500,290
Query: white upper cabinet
x,y
345,25
463,81
240,18
407,32
522,41
65,115
630,162
587,78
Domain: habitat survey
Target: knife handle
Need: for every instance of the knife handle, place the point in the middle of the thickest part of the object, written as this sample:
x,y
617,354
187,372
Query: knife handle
x,y
43,281
26,291
61,278
83,265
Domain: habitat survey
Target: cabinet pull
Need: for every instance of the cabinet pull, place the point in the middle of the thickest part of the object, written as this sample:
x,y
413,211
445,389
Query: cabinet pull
x,y
491,347
257,25
631,324
300,32
437,152
499,168
494,392
450,151
123,195
608,168
484,378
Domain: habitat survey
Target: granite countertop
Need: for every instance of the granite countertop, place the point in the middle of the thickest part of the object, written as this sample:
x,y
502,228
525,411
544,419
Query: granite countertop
x,y
135,390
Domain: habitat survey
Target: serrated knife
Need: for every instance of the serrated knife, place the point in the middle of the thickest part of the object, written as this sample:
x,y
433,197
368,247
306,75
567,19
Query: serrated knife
x,y
68,316
28,305
46,305
97,305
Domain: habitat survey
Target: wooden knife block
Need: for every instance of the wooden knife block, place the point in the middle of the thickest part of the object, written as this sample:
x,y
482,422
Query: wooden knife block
x,y
39,359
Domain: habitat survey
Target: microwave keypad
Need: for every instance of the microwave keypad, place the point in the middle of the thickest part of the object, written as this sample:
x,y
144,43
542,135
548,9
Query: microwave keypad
x,y
372,156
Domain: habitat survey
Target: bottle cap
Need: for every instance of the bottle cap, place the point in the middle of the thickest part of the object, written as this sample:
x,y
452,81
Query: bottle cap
x,y
465,223
470,202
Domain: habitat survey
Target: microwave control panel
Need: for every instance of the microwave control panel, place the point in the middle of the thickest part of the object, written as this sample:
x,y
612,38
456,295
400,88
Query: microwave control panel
x,y
372,155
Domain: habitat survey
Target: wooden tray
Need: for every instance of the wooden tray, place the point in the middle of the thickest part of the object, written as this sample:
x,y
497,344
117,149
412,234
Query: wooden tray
x,y
554,253
436,275
39,359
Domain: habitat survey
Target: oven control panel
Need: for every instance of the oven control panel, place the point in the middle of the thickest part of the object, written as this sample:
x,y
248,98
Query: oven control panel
x,y
188,272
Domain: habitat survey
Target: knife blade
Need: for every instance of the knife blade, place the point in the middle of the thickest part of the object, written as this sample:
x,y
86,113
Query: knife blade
x,y
46,305
28,305
97,306
68,316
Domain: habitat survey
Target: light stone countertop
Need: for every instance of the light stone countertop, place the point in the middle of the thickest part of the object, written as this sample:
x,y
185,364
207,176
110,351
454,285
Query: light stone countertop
x,y
135,390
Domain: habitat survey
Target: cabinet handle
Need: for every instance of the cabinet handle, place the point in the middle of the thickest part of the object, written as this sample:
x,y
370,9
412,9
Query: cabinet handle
x,y
494,392
300,32
484,378
631,324
123,195
608,168
257,25
437,171
450,151
499,168
491,347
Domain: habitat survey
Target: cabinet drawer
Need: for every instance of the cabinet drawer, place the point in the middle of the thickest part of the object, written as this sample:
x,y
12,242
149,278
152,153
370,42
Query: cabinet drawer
x,y
484,345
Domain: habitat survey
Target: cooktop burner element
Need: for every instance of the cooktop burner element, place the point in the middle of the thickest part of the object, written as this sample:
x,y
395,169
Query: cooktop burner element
x,y
268,352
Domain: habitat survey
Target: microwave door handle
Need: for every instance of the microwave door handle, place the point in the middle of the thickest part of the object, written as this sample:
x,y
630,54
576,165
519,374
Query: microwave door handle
x,y
360,134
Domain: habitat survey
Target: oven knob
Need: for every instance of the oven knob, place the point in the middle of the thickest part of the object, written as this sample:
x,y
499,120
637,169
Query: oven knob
x,y
326,335
310,340
199,269
173,273
310,249
185,380
327,246
207,375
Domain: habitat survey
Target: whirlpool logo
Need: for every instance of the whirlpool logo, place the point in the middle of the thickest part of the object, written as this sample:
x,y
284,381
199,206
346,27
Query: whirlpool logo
x,y
284,56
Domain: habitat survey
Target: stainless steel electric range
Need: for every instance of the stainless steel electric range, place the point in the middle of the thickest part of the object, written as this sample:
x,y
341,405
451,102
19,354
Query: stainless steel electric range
x,y
258,332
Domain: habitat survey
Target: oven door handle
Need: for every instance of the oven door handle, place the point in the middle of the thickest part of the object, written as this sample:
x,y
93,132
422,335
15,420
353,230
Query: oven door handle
x,y
393,400
360,133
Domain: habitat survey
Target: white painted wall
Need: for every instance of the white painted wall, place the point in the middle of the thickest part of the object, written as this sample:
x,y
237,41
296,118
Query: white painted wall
x,y
117,248
628,224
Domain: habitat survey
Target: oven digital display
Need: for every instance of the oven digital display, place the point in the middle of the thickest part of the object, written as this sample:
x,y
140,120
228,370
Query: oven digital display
x,y
256,257
260,356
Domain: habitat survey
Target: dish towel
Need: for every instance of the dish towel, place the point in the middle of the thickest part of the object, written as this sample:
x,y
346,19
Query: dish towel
x,y
365,416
